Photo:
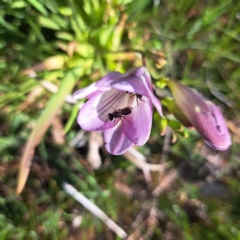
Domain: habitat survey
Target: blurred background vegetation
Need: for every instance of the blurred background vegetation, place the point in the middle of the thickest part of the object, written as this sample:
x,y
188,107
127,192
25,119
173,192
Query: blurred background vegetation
x,y
49,49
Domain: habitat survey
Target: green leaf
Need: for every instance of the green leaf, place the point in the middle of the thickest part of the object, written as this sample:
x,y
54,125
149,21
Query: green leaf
x,y
162,83
72,118
42,125
161,123
48,23
175,125
21,89
18,4
39,6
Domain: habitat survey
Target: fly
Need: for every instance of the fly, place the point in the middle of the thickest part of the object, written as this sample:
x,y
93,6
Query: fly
x,y
139,98
120,113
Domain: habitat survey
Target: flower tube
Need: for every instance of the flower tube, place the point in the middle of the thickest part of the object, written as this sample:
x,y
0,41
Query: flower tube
x,y
120,105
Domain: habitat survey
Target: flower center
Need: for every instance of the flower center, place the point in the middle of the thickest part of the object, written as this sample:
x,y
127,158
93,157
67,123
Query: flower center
x,y
116,105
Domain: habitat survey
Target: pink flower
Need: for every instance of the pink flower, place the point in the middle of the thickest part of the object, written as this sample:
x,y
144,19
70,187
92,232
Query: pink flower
x,y
120,105
205,116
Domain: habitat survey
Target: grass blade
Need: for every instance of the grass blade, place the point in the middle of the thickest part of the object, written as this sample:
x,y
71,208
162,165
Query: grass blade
x,y
41,127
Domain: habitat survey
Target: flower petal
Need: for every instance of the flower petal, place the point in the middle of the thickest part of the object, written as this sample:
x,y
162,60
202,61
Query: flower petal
x,y
142,73
93,115
107,79
212,127
156,103
84,92
152,97
137,125
103,85
139,71
89,119
115,141
132,84
147,78
96,93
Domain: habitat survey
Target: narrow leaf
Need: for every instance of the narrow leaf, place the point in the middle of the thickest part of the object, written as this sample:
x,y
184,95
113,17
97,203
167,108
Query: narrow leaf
x,y
41,127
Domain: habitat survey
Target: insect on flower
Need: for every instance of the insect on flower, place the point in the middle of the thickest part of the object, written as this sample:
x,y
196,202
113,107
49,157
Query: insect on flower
x,y
108,98
138,97
120,113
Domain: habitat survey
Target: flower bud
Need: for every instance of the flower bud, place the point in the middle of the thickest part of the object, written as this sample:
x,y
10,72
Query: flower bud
x,y
173,108
205,116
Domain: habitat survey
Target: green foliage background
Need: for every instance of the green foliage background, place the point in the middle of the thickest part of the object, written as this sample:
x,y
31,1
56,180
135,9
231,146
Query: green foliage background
x,y
197,42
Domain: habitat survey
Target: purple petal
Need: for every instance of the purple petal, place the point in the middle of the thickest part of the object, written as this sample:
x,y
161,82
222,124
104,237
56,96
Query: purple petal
x,y
154,100
136,72
84,92
147,79
93,115
142,73
96,93
212,127
93,89
131,84
137,125
89,119
115,141
156,103
104,83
